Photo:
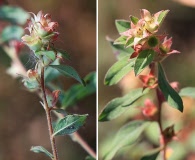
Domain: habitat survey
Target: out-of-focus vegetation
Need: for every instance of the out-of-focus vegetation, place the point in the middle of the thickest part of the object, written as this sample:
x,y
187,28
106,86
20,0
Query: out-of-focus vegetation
x,y
180,25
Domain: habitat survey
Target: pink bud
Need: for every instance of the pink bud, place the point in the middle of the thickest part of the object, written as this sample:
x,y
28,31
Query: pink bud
x,y
149,109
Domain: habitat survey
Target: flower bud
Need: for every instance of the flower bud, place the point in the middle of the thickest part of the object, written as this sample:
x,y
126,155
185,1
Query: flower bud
x,y
149,109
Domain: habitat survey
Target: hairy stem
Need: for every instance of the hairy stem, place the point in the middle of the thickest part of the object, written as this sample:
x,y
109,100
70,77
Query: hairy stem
x,y
75,136
48,114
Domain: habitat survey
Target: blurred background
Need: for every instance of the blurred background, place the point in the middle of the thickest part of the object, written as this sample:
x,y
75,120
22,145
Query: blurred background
x,y
179,24
22,119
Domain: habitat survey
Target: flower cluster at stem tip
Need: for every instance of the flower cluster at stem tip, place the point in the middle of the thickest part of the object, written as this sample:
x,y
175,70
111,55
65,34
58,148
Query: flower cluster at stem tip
x,y
142,35
42,34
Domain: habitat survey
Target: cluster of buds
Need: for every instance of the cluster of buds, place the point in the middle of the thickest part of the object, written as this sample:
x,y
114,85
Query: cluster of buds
x,y
42,33
142,35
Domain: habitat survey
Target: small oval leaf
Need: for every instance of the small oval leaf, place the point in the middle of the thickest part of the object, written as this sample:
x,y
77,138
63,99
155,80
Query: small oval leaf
x,y
68,71
122,25
162,16
118,70
40,149
69,124
144,58
117,106
119,50
126,136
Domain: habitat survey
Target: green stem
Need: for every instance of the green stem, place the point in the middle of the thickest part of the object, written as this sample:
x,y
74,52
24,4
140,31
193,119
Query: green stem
x,y
48,114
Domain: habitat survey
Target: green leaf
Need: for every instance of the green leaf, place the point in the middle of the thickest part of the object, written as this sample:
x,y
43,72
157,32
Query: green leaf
x,y
187,92
121,40
162,16
134,20
117,106
118,70
14,14
122,25
126,136
152,155
119,50
40,149
89,158
129,43
144,58
69,124
78,92
61,111
50,73
11,32
170,94
63,53
68,71
49,54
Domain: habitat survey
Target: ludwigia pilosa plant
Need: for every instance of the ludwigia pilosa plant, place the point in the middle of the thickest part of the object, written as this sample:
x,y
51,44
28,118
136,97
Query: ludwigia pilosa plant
x,y
42,34
141,49
40,40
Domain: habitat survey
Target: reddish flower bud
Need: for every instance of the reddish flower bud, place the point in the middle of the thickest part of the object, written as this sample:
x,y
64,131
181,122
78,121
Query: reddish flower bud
x,y
149,81
149,109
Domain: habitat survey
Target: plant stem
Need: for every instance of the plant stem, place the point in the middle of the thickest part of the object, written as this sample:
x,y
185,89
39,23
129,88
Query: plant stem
x,y
75,136
48,114
161,99
162,138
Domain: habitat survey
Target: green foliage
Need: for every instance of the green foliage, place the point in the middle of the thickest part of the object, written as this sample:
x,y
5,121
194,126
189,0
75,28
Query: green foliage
x,y
13,14
118,70
162,16
61,111
119,50
40,149
78,92
11,32
50,73
69,124
170,94
118,106
49,54
121,40
68,71
129,42
187,92
134,20
126,136
144,58
63,53
122,25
